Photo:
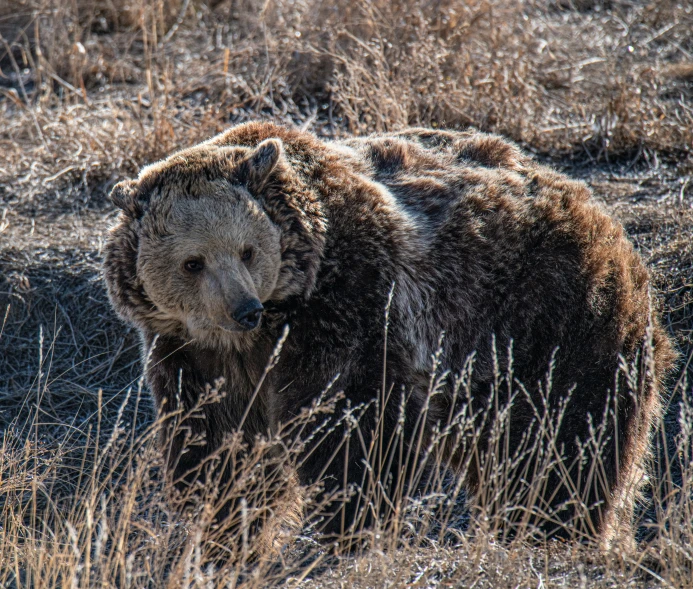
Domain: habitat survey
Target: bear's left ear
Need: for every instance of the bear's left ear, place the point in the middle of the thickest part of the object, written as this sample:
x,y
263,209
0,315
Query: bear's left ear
x,y
254,171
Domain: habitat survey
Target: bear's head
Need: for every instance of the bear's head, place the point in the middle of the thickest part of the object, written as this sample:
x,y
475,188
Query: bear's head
x,y
207,237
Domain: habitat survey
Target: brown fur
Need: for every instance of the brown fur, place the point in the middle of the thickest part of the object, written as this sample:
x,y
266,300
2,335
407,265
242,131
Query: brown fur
x,y
480,242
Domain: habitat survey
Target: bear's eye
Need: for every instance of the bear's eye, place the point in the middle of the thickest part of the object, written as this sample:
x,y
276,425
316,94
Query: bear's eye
x,y
193,265
247,254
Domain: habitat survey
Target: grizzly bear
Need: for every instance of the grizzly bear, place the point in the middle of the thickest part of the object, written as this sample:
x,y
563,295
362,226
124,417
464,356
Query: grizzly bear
x,y
397,261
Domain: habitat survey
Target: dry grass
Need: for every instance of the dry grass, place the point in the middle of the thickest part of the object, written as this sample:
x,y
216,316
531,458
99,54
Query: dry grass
x,y
90,91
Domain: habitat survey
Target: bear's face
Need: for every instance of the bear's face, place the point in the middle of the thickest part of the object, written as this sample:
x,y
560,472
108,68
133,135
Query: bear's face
x,y
210,262
195,252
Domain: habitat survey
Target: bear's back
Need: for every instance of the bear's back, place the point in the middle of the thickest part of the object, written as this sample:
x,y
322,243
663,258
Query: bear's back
x,y
429,172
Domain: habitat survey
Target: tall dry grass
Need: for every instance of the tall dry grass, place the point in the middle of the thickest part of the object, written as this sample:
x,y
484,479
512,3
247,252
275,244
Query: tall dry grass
x,y
95,507
90,91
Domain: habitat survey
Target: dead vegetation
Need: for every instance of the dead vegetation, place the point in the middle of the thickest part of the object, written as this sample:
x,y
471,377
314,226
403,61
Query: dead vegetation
x,y
90,91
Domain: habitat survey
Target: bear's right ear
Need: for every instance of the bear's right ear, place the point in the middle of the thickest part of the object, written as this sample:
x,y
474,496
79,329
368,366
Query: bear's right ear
x,y
255,170
124,196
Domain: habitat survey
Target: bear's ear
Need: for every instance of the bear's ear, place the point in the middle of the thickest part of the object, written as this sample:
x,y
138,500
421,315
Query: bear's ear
x,y
255,170
124,196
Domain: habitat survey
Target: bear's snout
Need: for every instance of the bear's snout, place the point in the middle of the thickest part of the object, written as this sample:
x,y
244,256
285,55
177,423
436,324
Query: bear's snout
x,y
248,314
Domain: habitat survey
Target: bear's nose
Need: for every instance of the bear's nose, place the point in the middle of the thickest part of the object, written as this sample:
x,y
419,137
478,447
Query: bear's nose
x,y
248,314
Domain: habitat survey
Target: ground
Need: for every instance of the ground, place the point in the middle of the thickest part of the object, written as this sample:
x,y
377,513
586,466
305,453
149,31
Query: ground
x,y
91,91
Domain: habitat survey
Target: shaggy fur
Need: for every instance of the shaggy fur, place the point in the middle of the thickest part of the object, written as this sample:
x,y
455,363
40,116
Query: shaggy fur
x,y
507,258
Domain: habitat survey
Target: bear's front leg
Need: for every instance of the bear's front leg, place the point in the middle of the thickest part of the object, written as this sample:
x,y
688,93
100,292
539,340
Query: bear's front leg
x,y
179,387
211,454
